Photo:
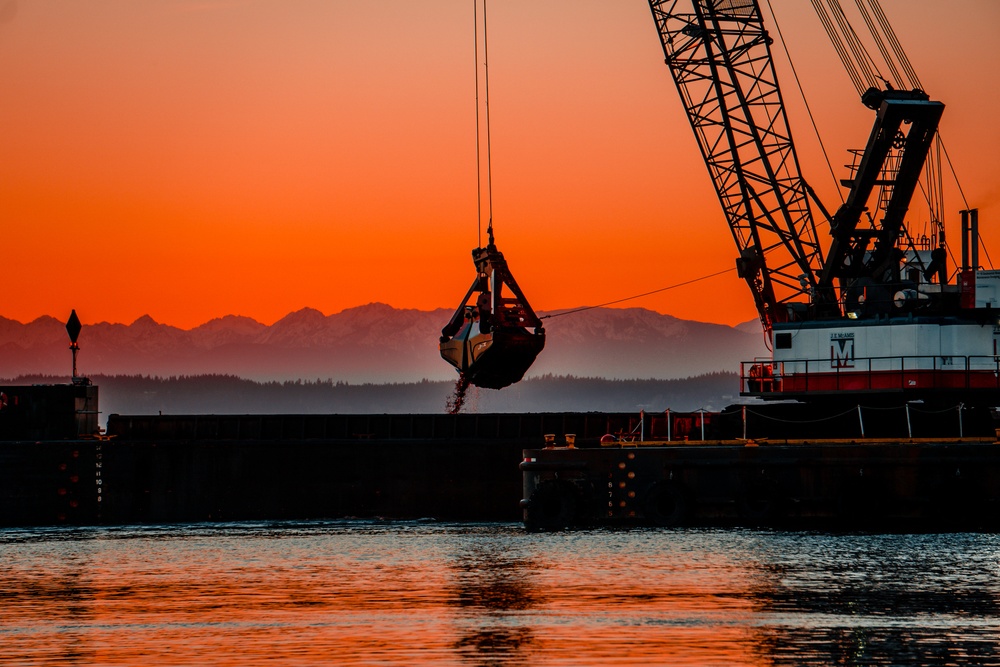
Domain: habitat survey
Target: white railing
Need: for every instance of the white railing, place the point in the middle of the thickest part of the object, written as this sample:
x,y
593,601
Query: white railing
x,y
870,374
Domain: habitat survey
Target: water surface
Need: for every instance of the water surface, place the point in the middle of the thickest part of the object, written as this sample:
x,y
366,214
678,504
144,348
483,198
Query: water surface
x,y
370,593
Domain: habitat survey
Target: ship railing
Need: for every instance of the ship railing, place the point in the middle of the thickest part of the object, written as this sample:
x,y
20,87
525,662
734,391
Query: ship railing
x,y
885,373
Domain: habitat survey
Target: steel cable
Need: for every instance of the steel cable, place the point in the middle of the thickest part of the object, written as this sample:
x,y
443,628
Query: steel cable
x,y
638,296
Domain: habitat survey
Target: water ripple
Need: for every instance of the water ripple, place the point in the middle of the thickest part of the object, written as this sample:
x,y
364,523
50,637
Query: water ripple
x,y
404,593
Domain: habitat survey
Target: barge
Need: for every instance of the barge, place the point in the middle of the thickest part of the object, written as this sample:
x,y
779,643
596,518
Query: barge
x,y
577,469
58,468
937,484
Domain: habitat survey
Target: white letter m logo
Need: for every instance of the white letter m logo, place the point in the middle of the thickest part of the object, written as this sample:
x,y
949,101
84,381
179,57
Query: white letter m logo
x,y
842,353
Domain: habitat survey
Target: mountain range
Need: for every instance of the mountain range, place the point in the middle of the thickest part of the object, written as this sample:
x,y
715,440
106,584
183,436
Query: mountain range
x,y
374,343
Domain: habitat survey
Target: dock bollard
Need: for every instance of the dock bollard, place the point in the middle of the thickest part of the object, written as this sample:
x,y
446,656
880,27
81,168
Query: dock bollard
x,y
550,440
571,440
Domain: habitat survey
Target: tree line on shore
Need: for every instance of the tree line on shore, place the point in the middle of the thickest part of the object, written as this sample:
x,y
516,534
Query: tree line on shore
x,y
228,394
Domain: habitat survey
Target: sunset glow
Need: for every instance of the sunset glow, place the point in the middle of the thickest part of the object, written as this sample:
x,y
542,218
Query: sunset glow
x,y
189,159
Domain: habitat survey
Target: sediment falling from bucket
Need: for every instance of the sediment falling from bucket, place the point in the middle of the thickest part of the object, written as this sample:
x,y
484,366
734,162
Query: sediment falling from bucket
x,y
457,398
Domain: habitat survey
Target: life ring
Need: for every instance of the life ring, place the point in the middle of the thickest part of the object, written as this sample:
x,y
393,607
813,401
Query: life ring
x,y
761,378
551,506
667,504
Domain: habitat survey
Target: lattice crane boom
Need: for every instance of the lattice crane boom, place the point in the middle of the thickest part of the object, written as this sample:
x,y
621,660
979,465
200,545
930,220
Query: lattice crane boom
x,y
719,56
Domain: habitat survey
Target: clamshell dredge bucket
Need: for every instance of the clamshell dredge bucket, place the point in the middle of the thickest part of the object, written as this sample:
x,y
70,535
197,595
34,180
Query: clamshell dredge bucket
x,y
493,340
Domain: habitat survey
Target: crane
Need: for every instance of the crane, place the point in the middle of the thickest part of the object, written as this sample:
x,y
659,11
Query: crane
x,y
871,314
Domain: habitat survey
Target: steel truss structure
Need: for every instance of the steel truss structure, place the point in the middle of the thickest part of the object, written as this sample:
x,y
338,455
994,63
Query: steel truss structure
x,y
719,56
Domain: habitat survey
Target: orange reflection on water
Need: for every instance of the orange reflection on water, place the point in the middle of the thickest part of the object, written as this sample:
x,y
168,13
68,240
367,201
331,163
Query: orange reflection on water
x,y
359,597
364,593
578,607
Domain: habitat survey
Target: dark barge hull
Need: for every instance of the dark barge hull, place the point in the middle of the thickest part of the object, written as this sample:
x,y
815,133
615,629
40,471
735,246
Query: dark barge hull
x,y
894,485
162,469
866,471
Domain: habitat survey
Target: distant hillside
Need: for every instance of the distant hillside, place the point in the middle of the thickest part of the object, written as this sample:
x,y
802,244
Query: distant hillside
x,y
372,344
231,395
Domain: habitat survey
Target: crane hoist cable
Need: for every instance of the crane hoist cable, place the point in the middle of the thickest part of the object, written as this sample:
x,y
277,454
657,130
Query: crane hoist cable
x,y
961,192
479,181
489,152
897,48
493,336
863,61
805,101
838,45
904,76
882,47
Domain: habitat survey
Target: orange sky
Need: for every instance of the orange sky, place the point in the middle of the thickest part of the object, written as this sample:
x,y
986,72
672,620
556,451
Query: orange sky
x,y
195,158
